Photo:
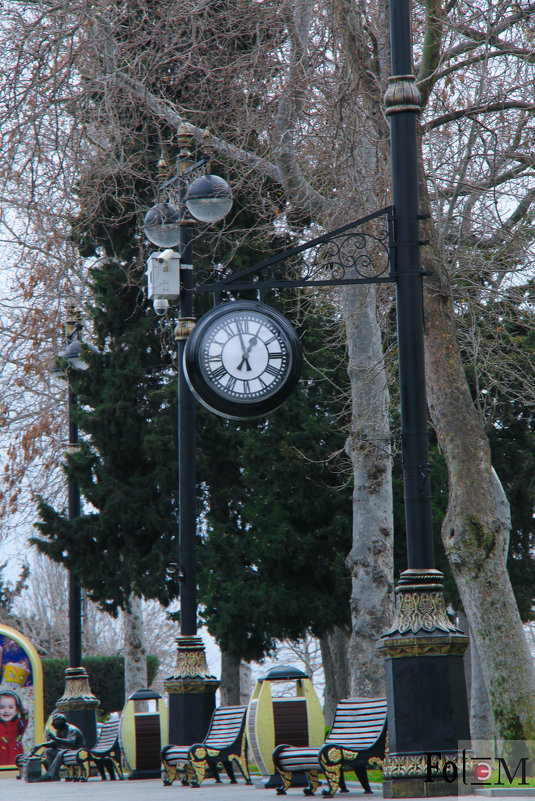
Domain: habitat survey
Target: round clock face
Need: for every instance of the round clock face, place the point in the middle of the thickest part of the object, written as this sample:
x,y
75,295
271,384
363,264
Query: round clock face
x,y
242,359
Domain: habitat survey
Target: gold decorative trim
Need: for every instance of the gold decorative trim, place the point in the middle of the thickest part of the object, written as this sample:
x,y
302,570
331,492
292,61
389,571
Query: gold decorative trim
x,y
421,611
191,659
184,327
186,686
438,645
402,95
77,693
420,604
191,672
401,766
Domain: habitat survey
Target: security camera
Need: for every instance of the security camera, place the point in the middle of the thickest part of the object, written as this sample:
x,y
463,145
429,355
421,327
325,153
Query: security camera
x,y
160,306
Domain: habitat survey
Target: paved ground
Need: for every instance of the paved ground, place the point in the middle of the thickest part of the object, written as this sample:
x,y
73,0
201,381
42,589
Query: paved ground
x,y
153,790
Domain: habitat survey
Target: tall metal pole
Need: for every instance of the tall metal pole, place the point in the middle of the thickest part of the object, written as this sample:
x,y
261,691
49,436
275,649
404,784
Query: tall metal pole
x,y
426,691
186,440
192,688
77,702
403,107
75,593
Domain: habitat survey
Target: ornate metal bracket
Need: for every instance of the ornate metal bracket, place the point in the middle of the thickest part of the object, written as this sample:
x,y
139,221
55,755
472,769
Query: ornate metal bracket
x,y
357,253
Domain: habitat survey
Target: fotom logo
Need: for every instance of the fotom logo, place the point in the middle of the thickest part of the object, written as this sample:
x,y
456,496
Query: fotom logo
x,y
484,764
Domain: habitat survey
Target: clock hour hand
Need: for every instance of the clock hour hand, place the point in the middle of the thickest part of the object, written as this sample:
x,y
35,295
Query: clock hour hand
x,y
252,343
244,360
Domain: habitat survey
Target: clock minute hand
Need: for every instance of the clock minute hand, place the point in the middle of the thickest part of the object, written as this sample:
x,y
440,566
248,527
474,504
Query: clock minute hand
x,y
246,352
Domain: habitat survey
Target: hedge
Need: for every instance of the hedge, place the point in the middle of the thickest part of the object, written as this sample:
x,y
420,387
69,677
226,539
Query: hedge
x,y
106,678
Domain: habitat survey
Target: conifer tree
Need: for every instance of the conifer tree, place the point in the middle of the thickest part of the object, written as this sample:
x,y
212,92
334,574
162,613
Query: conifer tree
x,y
126,465
272,564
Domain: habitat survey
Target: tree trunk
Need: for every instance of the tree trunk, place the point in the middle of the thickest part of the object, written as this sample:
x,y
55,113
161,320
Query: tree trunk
x,y
481,719
371,556
229,689
476,528
135,657
334,656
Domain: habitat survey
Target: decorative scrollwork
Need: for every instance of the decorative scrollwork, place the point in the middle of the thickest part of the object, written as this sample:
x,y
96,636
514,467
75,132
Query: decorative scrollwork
x,y
355,253
423,611
412,766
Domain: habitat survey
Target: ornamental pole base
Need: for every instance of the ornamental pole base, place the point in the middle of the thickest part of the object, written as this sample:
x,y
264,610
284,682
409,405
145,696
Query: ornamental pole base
x,y
426,690
78,703
191,693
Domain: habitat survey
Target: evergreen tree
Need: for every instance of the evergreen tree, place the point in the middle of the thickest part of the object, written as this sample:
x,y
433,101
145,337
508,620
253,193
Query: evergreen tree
x,y
126,464
272,564
511,435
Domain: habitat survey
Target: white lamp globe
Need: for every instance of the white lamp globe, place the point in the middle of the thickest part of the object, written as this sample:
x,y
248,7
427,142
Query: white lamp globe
x,y
208,198
162,225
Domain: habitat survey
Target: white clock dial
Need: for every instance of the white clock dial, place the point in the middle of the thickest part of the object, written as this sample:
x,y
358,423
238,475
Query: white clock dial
x,y
242,359
244,356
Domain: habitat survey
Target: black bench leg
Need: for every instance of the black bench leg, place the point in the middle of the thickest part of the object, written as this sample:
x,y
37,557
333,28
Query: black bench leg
x,y
362,776
230,771
215,770
100,768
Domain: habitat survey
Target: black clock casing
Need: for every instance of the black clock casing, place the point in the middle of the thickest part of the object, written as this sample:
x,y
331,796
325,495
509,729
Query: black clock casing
x,y
242,359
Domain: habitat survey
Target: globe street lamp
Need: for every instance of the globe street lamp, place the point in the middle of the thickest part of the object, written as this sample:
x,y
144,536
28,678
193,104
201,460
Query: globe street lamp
x,y
170,277
77,702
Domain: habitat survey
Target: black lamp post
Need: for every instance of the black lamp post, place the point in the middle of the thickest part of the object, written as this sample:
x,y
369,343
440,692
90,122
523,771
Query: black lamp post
x,y
208,198
77,702
427,706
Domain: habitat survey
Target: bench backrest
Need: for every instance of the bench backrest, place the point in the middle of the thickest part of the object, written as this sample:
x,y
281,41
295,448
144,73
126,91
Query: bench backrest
x,y
358,722
227,725
107,737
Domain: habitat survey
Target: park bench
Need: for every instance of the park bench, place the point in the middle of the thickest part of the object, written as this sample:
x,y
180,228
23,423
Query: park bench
x,y
224,744
105,754
357,734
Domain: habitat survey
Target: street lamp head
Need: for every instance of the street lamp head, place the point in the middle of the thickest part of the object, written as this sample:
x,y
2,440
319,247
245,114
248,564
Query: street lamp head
x,y
162,225
74,356
209,198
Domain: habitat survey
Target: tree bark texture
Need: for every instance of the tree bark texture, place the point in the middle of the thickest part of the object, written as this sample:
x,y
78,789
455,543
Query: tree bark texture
x,y
135,657
368,445
334,656
475,531
229,689
481,717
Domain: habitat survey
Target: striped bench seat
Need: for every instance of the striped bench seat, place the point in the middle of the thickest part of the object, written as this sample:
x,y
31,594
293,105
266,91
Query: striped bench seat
x,y
357,734
224,744
105,754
